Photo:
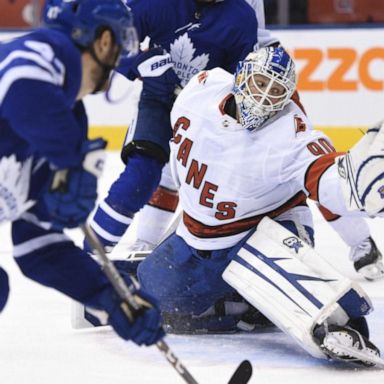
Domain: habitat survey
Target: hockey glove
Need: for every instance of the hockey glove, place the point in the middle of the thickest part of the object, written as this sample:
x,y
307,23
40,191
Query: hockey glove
x,y
155,68
72,193
143,327
361,173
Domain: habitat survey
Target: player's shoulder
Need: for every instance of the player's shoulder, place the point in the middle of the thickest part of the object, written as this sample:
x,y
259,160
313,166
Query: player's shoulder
x,y
152,6
60,43
49,44
206,87
301,128
290,126
240,13
47,54
297,119
211,78
240,6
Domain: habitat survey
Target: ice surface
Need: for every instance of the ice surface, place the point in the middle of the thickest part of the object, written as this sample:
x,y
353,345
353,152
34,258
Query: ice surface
x,y
38,345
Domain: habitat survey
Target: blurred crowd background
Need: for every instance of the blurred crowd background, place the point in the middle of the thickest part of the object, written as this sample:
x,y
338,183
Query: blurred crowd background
x,y
19,14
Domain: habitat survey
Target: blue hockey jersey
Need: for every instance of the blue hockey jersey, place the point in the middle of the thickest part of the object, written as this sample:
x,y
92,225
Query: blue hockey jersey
x,y
41,122
37,98
198,36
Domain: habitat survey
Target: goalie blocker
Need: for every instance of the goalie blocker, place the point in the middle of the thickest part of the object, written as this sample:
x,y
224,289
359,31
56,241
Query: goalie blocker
x,y
294,287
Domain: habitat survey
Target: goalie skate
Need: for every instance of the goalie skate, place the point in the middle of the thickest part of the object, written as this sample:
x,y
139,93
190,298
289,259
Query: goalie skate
x,y
135,253
139,250
346,344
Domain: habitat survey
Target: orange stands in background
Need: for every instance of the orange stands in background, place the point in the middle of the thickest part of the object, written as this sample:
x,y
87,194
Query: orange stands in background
x,y
345,11
345,58
18,13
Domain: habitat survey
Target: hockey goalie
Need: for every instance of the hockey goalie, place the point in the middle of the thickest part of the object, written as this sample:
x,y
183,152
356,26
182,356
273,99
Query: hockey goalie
x,y
246,158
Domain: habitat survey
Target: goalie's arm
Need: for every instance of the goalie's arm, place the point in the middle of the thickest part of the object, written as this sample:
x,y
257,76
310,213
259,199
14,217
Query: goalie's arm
x,y
322,185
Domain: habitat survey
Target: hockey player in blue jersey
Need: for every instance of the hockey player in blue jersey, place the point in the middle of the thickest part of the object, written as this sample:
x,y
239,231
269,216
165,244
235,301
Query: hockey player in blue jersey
x,y
196,35
48,167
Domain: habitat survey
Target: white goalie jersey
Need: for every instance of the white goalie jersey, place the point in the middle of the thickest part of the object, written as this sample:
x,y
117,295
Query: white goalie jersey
x,y
230,177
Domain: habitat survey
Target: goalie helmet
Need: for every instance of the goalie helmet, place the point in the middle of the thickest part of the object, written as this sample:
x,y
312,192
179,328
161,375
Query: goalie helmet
x,y
82,19
264,83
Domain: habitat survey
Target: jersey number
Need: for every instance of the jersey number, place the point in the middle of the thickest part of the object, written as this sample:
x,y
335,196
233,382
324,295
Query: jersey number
x,y
321,147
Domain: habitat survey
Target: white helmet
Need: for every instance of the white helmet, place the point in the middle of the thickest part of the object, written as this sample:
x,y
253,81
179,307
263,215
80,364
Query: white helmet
x,y
264,83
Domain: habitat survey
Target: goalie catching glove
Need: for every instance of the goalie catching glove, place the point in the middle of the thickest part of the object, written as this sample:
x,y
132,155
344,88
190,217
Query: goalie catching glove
x,y
361,173
72,193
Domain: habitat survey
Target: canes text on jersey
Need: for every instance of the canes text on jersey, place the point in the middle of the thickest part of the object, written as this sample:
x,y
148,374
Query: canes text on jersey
x,y
195,176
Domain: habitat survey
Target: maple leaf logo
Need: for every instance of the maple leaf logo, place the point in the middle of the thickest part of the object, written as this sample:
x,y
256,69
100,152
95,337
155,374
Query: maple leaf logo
x,y
182,52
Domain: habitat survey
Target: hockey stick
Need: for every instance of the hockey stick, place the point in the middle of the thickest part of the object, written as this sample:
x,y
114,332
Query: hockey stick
x,y
242,373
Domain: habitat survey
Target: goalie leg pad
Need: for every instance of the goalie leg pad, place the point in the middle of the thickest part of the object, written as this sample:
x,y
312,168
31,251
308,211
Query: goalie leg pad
x,y
292,285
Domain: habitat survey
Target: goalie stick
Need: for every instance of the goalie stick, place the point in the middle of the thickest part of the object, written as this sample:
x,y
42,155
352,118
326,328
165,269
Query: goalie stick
x,y
243,371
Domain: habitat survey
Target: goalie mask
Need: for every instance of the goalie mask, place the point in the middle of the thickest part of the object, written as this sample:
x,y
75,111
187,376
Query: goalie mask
x,y
264,83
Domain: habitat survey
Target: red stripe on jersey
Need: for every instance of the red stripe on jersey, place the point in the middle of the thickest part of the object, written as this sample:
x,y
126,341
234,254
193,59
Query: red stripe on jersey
x,y
327,214
165,199
296,99
316,170
223,102
205,231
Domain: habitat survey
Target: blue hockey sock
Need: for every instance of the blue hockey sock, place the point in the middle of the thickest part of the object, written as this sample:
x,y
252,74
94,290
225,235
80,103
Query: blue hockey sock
x,y
127,195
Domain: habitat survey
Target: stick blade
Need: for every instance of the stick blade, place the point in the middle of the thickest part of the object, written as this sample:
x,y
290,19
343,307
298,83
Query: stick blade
x,y
242,374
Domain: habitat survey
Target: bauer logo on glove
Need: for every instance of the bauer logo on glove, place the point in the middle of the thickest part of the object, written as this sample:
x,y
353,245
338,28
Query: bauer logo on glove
x,y
161,63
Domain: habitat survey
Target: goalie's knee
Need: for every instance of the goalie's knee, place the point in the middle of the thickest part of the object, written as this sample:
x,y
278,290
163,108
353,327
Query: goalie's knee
x,y
4,288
